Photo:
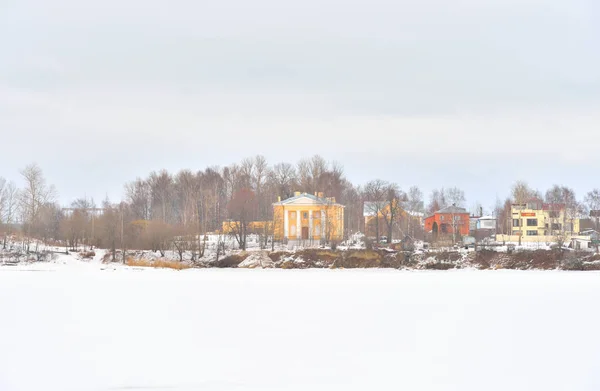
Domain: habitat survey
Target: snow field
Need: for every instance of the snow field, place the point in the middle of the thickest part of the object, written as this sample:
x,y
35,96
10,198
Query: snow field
x,y
83,328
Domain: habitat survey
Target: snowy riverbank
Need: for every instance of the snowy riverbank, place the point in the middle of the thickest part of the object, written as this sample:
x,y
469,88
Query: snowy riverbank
x,y
83,326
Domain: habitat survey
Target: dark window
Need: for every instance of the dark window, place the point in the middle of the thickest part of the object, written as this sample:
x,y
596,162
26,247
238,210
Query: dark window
x,y
305,215
532,222
532,233
553,214
516,223
555,227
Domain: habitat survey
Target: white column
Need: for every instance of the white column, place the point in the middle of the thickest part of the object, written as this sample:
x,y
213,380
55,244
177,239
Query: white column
x,y
285,223
298,225
310,224
323,224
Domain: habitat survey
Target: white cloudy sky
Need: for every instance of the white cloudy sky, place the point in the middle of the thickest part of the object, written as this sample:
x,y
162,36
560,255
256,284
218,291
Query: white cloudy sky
x,y
473,93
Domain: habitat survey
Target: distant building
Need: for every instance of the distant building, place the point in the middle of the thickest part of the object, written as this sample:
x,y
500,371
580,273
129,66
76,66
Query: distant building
x,y
308,217
374,212
449,220
536,220
483,227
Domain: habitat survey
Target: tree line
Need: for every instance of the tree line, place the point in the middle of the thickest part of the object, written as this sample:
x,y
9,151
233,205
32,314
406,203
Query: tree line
x,y
173,211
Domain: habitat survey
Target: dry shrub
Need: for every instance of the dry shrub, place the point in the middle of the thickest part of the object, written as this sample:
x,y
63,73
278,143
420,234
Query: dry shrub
x,y
359,259
88,254
394,261
483,259
539,259
290,264
439,266
313,258
589,266
158,264
448,256
277,256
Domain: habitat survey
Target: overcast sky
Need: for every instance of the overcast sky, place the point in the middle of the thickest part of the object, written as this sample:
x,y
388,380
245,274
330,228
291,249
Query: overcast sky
x,y
471,93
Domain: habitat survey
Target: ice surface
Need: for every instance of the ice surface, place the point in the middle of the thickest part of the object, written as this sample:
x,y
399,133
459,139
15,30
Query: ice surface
x,y
77,327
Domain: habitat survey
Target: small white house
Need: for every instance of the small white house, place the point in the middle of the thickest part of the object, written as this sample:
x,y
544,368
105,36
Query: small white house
x,y
581,243
486,222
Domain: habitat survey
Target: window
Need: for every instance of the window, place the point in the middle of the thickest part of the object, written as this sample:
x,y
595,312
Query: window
x,y
555,227
456,218
292,215
317,215
305,215
532,233
442,217
516,223
532,222
553,214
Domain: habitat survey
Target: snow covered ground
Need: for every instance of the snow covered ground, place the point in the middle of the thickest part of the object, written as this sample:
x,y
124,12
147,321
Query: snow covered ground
x,y
73,325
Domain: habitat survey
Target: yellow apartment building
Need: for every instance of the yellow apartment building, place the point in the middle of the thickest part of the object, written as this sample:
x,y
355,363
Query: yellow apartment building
x,y
538,221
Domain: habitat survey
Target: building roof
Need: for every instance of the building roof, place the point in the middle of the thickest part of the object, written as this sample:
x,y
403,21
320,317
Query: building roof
x,y
306,199
451,209
487,218
371,207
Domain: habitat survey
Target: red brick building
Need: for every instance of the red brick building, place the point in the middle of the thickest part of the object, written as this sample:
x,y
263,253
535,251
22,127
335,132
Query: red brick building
x,y
447,220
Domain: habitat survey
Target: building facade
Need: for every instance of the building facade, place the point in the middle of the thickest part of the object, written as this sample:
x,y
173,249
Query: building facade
x,y
308,217
536,218
449,220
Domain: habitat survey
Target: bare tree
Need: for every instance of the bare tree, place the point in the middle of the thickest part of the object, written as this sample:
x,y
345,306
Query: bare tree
x,y
138,195
161,188
110,226
562,198
8,208
283,177
592,201
240,209
455,196
521,192
437,200
33,196
392,210
375,193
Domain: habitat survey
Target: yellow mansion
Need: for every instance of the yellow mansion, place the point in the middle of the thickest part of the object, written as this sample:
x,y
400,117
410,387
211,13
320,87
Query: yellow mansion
x,y
308,217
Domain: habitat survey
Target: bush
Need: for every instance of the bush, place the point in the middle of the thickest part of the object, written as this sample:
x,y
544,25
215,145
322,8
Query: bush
x,y
158,264
88,254
439,266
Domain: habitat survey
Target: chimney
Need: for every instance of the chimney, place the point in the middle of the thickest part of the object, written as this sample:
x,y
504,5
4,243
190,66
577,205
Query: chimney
x,y
320,194
278,198
296,193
